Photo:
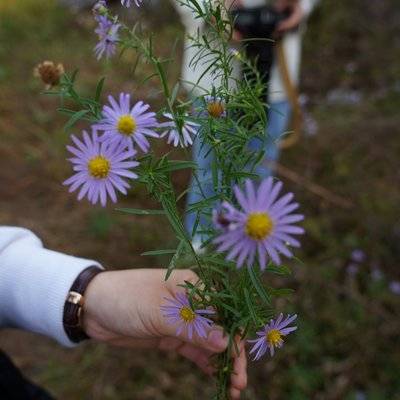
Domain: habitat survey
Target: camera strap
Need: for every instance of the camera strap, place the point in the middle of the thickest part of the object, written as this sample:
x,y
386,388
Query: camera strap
x,y
293,97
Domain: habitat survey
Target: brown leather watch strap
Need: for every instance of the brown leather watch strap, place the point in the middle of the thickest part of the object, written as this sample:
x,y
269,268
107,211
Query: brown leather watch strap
x,y
73,308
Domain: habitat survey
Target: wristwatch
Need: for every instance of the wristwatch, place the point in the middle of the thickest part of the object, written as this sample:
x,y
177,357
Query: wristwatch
x,y
73,308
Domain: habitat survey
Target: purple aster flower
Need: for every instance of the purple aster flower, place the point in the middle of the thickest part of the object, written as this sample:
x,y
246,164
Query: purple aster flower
x,y
188,128
128,125
265,226
358,256
107,30
180,312
128,3
224,216
271,336
360,395
376,273
100,8
352,269
100,168
394,287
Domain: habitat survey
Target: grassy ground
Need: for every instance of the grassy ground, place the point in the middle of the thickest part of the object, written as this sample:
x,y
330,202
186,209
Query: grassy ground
x,y
347,345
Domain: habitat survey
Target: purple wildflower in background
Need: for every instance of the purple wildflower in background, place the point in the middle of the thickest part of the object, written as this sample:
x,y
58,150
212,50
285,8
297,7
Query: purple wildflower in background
x,y
100,169
360,395
352,269
265,226
376,272
271,336
358,256
107,31
128,125
180,312
100,8
394,287
189,129
128,3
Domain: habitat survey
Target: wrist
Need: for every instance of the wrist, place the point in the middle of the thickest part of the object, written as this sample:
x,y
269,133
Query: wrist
x,y
74,306
96,295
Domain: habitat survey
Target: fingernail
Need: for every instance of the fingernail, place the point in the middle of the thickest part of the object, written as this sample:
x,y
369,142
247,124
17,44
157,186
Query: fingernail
x,y
217,340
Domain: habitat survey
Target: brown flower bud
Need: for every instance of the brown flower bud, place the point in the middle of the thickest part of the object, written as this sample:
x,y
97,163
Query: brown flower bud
x,y
49,73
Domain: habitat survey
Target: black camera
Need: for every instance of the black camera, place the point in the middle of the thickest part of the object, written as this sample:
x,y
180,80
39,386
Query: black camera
x,y
256,25
258,22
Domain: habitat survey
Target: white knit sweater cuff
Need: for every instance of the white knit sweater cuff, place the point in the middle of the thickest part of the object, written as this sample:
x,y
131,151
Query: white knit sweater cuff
x,y
34,283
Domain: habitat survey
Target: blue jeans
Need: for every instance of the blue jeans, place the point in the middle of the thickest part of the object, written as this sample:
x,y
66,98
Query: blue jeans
x,y
278,119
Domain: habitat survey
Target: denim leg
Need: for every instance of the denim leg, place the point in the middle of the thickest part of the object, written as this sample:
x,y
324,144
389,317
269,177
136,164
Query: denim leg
x,y
279,115
203,157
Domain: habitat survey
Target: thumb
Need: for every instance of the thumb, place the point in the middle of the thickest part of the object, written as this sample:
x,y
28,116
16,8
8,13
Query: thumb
x,y
180,321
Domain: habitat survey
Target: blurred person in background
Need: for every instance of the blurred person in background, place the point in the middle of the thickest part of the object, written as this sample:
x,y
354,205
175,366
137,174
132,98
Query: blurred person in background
x,y
72,299
289,31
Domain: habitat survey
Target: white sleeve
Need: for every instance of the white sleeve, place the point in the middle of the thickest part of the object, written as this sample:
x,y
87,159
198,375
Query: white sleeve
x,y
187,15
308,6
34,283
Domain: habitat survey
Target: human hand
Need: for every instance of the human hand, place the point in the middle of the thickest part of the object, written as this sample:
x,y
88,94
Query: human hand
x,y
236,36
122,308
294,19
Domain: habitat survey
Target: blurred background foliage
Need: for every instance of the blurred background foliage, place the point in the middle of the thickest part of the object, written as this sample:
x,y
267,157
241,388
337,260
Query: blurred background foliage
x,y
347,346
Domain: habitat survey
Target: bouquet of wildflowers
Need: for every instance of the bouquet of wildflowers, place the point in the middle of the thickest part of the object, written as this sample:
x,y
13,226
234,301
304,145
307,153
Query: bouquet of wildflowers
x,y
246,226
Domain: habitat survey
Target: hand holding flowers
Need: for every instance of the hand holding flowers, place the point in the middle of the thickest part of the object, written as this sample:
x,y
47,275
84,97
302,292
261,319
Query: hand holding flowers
x,y
124,308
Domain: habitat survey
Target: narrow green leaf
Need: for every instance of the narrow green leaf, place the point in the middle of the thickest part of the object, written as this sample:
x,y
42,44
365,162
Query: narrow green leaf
x,y
255,279
222,263
136,211
250,306
175,165
280,292
174,94
158,252
230,309
75,118
174,259
99,89
279,270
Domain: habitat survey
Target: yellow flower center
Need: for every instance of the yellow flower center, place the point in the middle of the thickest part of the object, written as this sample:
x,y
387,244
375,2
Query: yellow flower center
x,y
99,167
187,314
215,109
274,337
259,225
126,125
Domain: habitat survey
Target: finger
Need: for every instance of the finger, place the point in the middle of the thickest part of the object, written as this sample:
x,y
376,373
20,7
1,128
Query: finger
x,y
234,394
199,356
292,22
179,277
124,341
239,376
215,342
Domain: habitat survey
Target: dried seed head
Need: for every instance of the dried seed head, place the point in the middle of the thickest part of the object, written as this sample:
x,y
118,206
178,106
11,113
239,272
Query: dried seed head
x,y
49,73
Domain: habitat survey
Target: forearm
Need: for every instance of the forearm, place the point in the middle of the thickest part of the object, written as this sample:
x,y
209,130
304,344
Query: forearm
x,y
307,6
34,283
